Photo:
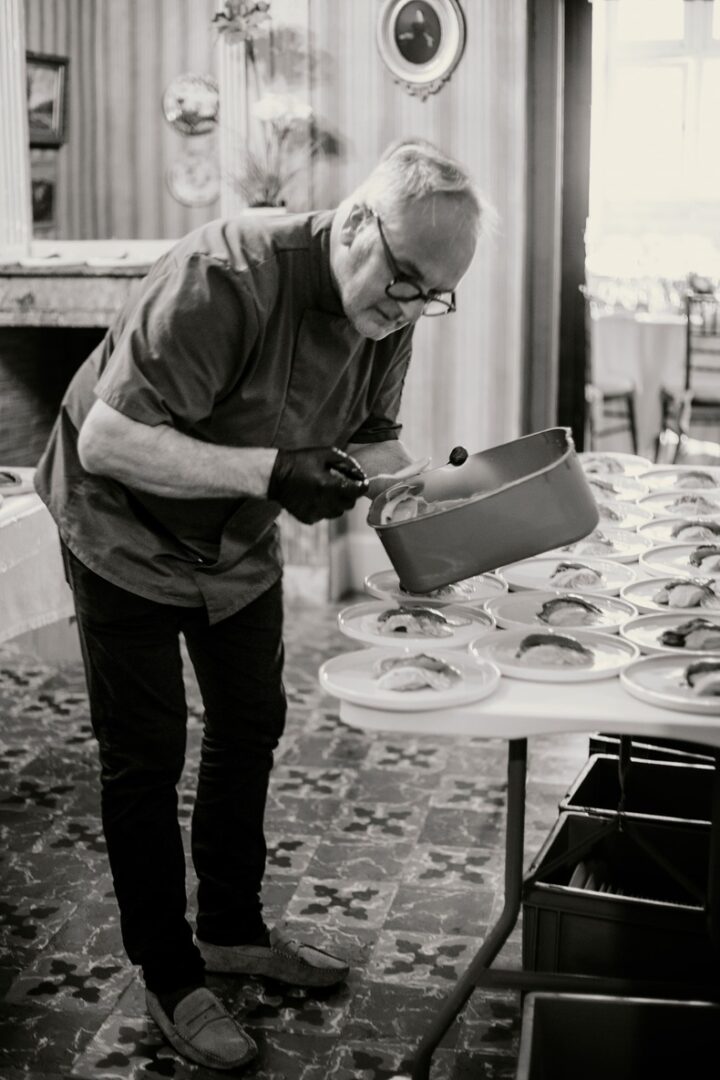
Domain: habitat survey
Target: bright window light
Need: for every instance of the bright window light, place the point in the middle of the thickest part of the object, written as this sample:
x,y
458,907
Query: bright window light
x,y
651,20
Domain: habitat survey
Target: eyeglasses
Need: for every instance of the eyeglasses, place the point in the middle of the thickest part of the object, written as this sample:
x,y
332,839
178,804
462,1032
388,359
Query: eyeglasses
x,y
406,289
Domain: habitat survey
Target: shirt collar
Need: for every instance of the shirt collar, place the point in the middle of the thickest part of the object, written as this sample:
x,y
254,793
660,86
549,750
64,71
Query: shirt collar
x,y
328,298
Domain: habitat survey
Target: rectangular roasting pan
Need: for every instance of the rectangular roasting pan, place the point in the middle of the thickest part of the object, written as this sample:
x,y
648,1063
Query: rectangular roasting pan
x,y
525,497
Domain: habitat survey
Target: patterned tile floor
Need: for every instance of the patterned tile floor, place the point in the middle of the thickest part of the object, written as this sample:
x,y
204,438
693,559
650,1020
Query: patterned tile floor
x,y
388,850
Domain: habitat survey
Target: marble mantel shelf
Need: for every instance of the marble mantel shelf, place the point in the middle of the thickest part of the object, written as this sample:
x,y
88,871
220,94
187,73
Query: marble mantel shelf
x,y
74,283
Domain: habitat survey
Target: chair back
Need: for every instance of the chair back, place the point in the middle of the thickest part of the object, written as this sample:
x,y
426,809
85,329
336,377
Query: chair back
x,y
702,340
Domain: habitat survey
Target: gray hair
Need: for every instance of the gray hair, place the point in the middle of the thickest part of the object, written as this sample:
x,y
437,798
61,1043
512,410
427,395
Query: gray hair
x,y
415,168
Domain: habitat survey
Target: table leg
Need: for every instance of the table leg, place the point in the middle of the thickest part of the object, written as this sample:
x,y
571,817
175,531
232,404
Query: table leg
x,y
499,933
713,885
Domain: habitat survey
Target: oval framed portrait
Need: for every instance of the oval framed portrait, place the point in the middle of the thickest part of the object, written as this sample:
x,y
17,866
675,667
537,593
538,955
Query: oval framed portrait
x,y
421,42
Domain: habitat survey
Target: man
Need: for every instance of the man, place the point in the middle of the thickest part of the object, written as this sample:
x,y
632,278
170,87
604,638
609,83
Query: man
x,y
260,367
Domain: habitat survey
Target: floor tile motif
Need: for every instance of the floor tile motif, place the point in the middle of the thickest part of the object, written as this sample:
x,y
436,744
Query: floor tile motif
x,y
383,849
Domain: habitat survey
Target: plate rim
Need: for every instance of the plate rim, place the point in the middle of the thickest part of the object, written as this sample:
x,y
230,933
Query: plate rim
x,y
402,704
478,613
573,675
658,699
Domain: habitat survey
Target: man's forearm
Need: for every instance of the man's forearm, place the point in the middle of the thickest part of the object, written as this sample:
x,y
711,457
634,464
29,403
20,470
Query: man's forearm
x,y
163,461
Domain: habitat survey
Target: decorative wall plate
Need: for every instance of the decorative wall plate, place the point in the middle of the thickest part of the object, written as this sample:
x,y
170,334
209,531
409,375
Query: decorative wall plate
x,y
191,103
421,42
194,179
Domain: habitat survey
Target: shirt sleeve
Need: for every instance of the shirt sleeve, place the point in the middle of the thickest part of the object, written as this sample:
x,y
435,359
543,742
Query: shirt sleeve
x,y
381,424
184,345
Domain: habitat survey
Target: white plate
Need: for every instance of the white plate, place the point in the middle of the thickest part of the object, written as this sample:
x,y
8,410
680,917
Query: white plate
x,y
660,530
521,609
621,515
361,622
659,680
16,480
385,585
640,593
535,574
627,546
610,655
681,504
674,559
681,478
617,486
350,677
645,632
595,463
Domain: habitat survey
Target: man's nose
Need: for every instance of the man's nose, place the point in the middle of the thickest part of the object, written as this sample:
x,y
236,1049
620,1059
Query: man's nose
x,y
411,309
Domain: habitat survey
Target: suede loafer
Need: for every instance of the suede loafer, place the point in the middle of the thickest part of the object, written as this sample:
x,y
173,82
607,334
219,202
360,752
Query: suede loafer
x,y
285,959
203,1031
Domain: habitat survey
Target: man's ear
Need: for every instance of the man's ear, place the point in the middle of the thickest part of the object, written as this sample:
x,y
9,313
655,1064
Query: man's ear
x,y
356,218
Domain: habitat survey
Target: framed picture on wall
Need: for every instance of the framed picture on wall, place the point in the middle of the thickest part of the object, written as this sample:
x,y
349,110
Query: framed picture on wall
x,y
46,98
43,180
421,42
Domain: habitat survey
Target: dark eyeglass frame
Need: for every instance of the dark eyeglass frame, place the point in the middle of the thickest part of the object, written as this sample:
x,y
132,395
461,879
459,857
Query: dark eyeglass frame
x,y
403,279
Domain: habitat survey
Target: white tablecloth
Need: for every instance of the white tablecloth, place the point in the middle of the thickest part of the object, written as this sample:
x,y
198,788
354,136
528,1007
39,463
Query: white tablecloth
x,y
643,349
33,591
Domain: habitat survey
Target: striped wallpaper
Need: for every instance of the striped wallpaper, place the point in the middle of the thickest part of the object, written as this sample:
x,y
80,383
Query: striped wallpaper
x,y
464,386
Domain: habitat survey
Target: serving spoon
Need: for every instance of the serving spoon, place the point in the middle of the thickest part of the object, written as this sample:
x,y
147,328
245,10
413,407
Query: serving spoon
x,y
458,456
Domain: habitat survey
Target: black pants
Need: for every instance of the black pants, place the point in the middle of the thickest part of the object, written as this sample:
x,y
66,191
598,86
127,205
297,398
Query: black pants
x,y
133,667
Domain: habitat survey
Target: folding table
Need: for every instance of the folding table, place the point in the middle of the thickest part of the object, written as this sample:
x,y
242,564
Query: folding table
x,y
516,711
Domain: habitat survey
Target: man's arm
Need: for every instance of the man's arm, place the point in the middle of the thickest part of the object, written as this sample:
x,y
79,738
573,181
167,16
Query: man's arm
x,y
380,457
162,461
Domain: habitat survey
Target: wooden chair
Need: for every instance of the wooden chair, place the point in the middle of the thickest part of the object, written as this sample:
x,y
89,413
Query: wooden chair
x,y
610,383
696,403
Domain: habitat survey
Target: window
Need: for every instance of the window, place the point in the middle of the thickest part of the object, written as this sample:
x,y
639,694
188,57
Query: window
x,y
655,139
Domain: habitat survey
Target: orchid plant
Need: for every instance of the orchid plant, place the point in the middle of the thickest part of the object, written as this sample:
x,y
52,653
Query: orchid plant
x,y
286,138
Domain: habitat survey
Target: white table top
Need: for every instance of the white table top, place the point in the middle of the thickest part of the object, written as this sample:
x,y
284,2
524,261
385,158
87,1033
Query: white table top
x,y
519,709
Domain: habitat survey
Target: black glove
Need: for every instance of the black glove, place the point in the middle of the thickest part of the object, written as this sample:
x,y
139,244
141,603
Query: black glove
x,y
316,483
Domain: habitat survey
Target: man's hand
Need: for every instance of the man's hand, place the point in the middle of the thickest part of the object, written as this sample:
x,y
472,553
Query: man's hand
x,y
316,483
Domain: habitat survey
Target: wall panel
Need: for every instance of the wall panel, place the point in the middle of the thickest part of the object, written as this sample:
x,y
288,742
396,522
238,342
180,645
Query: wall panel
x,y
464,386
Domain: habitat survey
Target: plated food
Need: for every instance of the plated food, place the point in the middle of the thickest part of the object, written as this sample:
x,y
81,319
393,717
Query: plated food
x,y
609,543
688,683
674,632
568,611
702,560
617,487
408,680
682,478
410,624
16,480
686,504
673,594
681,530
594,463
385,585
555,655
552,572
621,515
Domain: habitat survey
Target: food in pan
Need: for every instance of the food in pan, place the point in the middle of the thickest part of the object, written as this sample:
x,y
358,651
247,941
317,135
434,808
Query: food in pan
x,y
695,530
695,479
553,650
572,575
697,504
596,543
569,611
687,593
602,463
703,678
9,479
408,504
417,672
706,558
694,635
418,622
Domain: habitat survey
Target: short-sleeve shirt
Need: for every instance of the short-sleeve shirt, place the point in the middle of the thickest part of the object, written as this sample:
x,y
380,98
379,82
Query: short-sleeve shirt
x,y
237,337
